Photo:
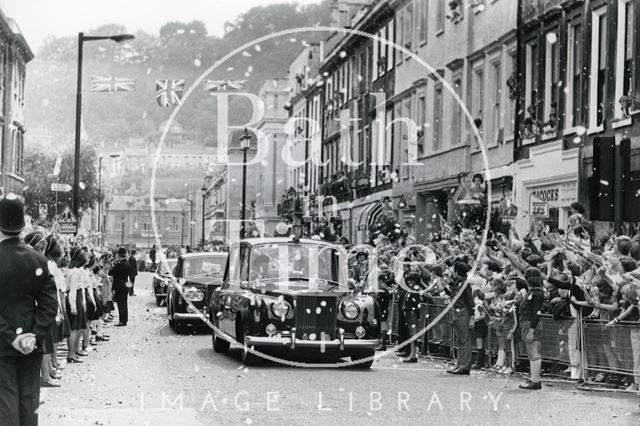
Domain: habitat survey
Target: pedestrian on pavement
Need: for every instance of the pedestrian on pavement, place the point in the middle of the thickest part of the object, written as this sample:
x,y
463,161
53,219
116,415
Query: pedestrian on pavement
x,y
531,326
152,257
133,262
120,273
55,257
27,311
76,304
462,317
37,241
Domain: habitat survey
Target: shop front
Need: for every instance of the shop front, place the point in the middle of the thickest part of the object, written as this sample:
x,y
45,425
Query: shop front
x,y
435,203
546,185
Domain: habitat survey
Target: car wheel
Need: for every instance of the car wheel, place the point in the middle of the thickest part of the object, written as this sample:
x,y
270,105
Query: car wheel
x,y
172,322
248,358
220,345
159,300
368,353
180,327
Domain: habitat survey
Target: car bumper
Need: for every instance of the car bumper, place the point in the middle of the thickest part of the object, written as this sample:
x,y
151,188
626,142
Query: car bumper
x,y
292,343
183,316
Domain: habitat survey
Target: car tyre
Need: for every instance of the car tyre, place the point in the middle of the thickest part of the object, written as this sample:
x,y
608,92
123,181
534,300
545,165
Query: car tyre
x,y
220,345
159,300
172,322
248,358
180,327
365,353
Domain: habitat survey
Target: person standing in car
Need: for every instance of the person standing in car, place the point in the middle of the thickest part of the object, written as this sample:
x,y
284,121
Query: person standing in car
x,y
120,272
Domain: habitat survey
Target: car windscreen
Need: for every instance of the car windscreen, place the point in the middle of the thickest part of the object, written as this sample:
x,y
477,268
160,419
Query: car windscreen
x,y
162,267
294,262
203,266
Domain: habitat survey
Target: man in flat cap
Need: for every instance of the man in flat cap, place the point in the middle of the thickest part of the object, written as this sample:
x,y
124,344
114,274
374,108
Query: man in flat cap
x,y
28,307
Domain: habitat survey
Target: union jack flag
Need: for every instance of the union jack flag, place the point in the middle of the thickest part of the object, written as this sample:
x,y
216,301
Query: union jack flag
x,y
223,85
112,84
169,92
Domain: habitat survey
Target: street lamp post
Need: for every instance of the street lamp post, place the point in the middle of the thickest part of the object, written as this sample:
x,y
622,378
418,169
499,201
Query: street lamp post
x,y
191,221
118,38
122,233
245,143
204,197
182,229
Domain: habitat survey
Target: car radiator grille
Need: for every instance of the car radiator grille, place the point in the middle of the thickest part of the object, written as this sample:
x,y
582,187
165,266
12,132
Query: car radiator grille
x,y
315,314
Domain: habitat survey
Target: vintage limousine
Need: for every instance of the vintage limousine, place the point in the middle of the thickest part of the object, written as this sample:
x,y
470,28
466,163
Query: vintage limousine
x,y
286,295
198,274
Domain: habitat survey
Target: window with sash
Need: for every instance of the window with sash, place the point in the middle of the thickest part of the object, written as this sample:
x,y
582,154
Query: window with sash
x,y
437,117
573,89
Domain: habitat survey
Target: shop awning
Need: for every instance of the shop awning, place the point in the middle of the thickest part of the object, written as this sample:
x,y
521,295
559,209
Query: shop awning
x,y
369,215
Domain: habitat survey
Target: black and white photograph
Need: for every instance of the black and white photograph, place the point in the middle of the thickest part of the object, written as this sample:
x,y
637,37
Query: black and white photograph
x,y
319,212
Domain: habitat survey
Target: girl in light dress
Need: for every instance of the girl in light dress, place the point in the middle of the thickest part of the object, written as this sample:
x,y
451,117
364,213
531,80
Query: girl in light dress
x,y
85,342
76,304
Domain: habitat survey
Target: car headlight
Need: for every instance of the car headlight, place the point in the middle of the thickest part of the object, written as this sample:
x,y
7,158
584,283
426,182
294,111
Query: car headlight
x,y
193,295
280,308
350,309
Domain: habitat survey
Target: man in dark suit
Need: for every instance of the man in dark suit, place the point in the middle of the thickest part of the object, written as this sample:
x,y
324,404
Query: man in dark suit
x,y
28,307
121,271
133,262
462,317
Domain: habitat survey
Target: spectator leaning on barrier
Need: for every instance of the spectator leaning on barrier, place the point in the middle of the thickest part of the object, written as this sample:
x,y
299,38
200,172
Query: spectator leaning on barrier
x,y
630,295
531,326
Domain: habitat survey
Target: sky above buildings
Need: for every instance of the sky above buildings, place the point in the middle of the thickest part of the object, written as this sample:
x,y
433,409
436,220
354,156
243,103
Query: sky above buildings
x,y
40,18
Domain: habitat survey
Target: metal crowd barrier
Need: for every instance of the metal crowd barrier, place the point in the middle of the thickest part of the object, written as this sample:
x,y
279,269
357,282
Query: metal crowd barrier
x,y
608,350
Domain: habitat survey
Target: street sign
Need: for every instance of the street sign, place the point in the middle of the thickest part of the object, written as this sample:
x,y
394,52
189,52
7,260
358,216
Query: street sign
x,y
67,221
60,187
539,208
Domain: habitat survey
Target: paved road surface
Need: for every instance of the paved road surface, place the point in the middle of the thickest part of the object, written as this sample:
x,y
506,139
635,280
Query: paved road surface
x,y
146,375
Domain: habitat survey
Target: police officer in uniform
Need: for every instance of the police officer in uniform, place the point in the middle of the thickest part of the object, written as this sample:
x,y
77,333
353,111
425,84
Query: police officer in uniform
x,y
28,307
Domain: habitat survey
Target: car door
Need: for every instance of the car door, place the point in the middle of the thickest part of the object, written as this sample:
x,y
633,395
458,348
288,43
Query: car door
x,y
226,313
